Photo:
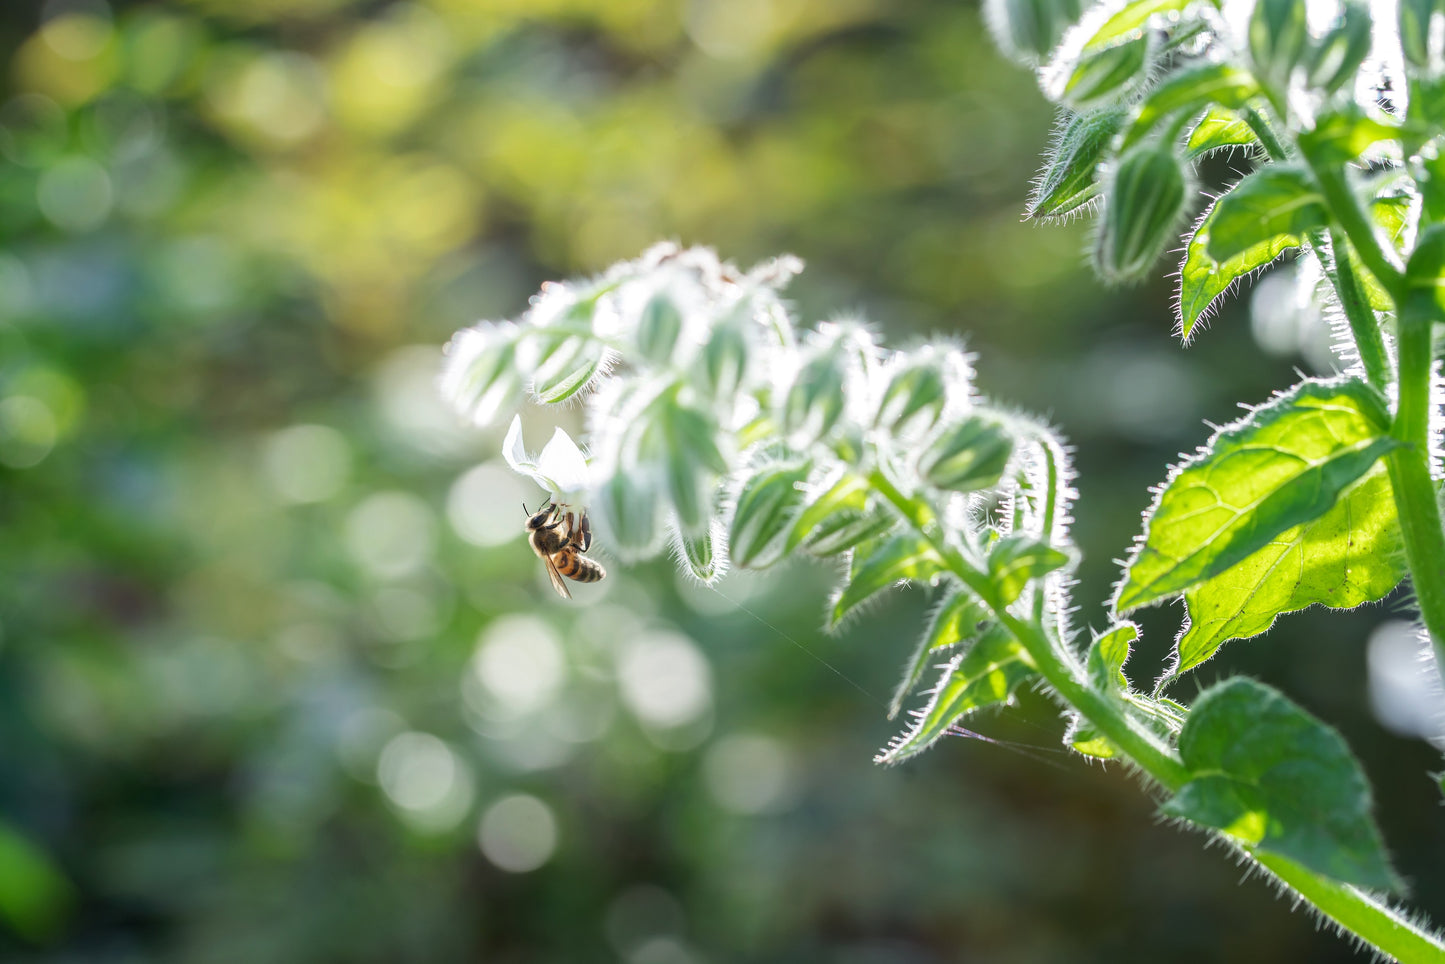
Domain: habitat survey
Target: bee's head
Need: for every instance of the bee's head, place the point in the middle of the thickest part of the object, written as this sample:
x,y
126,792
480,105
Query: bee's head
x,y
538,519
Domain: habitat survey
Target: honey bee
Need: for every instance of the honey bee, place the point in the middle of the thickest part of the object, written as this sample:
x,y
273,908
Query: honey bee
x,y
559,538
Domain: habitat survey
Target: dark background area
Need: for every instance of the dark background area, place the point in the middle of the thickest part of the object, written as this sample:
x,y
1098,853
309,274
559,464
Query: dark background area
x,y
280,680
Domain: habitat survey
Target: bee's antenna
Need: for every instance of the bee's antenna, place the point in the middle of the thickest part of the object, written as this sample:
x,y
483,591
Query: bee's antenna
x,y
525,510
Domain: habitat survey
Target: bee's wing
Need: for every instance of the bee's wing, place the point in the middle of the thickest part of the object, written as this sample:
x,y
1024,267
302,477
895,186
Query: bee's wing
x,y
556,578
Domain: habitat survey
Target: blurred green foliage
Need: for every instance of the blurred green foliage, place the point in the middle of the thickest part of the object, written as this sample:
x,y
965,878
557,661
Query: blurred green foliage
x,y
279,677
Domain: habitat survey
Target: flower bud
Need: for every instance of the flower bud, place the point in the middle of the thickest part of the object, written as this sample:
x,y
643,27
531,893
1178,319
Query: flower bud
x,y
678,446
968,456
629,505
570,365
480,376
658,328
1027,30
764,514
1415,19
1070,178
1106,76
1141,218
1341,52
815,401
723,362
704,555
1278,37
918,389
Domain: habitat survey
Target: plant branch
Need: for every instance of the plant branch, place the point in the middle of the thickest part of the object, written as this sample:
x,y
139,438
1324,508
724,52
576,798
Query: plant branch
x,y
1367,917
1055,664
1364,325
1416,498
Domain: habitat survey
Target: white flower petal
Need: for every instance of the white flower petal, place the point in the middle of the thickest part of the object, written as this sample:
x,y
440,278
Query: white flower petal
x,y
562,462
513,451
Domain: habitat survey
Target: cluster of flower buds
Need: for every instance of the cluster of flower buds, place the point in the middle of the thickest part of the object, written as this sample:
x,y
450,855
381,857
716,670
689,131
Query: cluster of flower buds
x,y
719,429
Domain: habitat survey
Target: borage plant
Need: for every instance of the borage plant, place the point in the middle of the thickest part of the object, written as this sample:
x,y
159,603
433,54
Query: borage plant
x,y
719,429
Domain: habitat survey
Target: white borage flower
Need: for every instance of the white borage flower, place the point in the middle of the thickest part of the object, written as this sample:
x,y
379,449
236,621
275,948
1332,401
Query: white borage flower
x,y
561,468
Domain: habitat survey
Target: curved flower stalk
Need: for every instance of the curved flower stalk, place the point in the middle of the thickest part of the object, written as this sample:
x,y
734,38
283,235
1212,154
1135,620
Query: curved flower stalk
x,y
721,430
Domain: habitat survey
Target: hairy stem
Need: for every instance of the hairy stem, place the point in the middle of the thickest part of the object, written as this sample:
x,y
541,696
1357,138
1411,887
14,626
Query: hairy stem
x,y
1055,664
1364,325
1416,497
1368,918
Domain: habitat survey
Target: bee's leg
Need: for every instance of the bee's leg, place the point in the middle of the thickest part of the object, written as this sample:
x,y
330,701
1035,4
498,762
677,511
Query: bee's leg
x,y
584,539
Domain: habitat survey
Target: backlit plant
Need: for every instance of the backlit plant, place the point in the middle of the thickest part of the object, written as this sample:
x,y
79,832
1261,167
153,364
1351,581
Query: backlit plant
x,y
722,431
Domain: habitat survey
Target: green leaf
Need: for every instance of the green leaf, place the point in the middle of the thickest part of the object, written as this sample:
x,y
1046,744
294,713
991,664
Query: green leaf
x,y
1277,199
1276,779
1203,280
1341,136
900,557
986,675
34,895
1132,19
1284,464
1014,561
1391,214
848,495
1349,556
1190,90
1070,178
1081,737
953,624
1218,129
764,514
1107,656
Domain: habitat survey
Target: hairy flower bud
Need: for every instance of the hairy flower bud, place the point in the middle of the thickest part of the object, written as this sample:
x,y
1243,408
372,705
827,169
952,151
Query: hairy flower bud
x,y
630,506
1278,37
677,445
1106,76
658,328
916,392
815,400
1069,179
1341,51
766,505
1418,40
1141,218
480,374
722,365
967,456
1028,30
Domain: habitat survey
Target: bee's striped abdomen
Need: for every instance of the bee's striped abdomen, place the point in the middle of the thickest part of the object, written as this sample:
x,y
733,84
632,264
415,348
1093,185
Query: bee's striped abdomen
x,y
572,565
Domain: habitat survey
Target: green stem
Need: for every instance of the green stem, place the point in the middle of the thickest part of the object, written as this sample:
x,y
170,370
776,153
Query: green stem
x,y
1265,134
1056,665
1416,498
1364,325
1381,260
1367,917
